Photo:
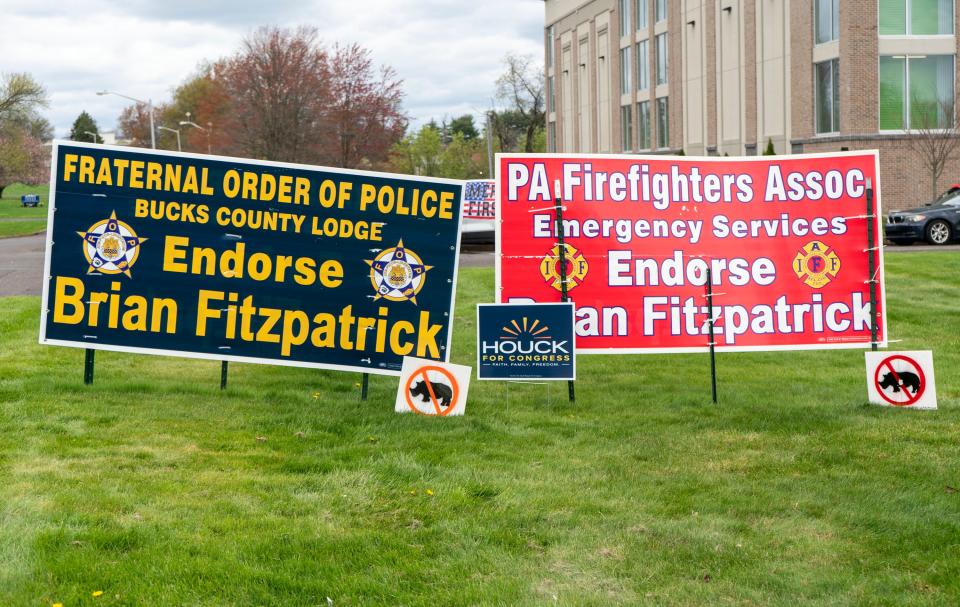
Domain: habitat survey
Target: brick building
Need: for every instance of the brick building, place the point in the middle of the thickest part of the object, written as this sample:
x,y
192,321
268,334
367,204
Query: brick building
x,y
715,77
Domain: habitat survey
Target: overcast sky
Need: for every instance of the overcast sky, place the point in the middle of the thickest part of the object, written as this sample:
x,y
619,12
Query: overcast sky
x,y
448,52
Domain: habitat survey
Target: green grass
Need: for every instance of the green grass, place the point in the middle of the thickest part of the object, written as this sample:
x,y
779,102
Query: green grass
x,y
152,485
16,220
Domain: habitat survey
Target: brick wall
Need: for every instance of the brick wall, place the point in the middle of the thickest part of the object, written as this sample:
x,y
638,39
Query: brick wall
x,y
750,73
904,180
859,70
801,68
711,71
675,74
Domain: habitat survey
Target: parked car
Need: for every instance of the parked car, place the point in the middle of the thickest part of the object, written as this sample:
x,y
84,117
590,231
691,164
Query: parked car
x,y
937,223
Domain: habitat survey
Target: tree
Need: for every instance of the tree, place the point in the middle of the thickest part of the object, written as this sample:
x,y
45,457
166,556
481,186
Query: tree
x,y
278,84
426,153
20,97
363,115
23,158
769,150
461,159
40,129
83,125
204,101
418,153
934,138
521,88
134,124
509,127
464,126
22,155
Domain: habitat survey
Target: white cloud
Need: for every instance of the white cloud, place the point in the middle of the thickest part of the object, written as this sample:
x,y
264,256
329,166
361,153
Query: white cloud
x,y
448,52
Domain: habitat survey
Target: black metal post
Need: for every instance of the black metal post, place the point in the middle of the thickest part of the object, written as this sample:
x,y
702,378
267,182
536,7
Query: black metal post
x,y
571,395
872,264
713,356
223,375
364,384
88,366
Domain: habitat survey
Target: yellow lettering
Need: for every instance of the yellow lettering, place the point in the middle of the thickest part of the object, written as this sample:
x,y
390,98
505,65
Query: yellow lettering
x,y
173,253
62,299
205,311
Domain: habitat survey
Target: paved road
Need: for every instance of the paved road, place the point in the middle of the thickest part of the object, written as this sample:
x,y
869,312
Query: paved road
x,y
21,265
919,248
21,262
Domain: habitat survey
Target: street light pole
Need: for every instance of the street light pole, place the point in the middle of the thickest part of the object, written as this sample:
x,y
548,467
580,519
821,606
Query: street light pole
x,y
175,131
207,130
93,135
148,103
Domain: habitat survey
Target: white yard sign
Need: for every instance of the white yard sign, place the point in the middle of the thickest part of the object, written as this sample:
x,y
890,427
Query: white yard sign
x,y
901,379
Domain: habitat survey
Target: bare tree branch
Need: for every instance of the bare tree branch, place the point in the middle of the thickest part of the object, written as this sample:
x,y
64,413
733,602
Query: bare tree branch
x,y
934,137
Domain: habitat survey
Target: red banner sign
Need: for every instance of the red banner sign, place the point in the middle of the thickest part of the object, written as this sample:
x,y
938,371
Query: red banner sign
x,y
784,238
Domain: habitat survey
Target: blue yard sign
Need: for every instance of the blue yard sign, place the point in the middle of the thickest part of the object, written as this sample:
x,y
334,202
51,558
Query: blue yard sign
x,y
251,261
525,341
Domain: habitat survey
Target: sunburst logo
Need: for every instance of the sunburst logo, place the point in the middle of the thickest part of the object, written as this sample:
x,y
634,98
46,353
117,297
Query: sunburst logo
x,y
525,330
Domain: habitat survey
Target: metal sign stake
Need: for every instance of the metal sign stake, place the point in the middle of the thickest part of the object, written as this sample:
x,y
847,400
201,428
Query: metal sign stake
x,y
88,366
364,384
872,264
223,375
712,338
571,395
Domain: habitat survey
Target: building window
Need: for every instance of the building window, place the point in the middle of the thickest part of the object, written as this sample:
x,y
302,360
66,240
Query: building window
x,y
550,40
663,133
826,18
827,91
661,50
626,128
551,97
916,92
916,17
641,14
625,70
552,137
661,10
624,17
643,125
643,66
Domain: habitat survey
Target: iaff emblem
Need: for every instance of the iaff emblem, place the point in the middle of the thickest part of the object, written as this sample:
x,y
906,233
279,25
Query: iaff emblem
x,y
576,267
397,274
816,264
111,246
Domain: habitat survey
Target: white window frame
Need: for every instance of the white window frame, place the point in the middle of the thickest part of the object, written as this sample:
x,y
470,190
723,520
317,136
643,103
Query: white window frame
x,y
643,65
906,87
908,14
833,79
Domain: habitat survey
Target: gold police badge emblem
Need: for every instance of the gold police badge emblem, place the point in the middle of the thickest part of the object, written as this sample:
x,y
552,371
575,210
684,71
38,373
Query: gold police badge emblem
x,y
816,264
111,246
397,274
577,267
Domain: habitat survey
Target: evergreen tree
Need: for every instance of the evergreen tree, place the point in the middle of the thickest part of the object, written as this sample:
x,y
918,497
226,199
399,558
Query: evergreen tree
x,y
464,126
83,125
769,150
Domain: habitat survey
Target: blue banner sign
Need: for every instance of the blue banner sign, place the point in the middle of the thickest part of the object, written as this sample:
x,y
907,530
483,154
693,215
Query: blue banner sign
x,y
251,261
525,341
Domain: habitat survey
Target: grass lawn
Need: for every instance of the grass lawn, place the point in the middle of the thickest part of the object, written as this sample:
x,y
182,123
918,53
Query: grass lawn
x,y
155,488
16,220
